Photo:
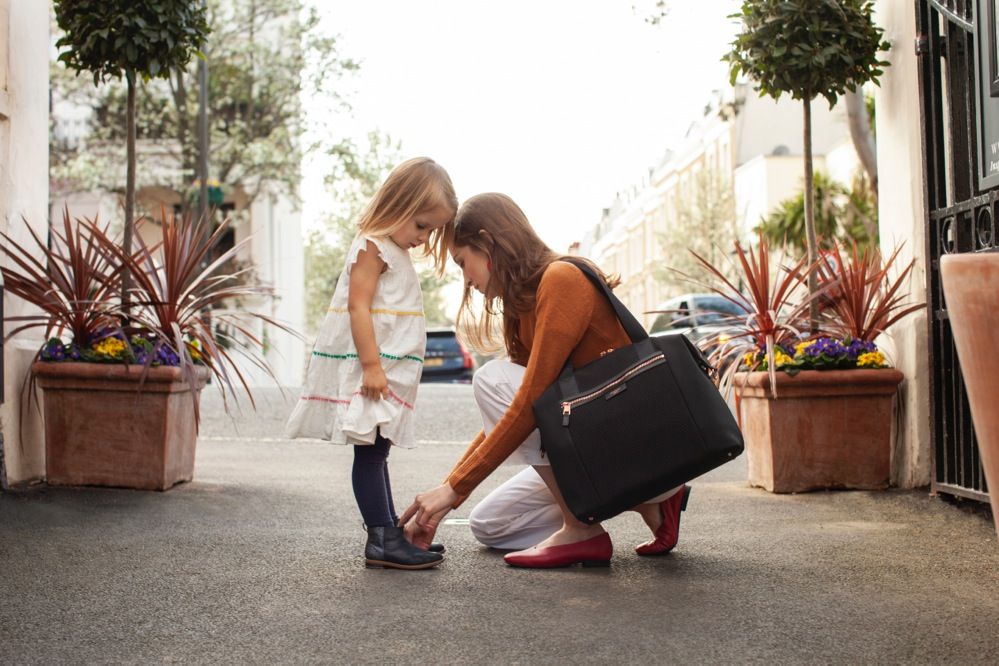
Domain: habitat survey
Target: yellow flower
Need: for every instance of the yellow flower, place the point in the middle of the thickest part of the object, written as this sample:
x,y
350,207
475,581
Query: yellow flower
x,y
749,359
110,347
780,358
799,349
195,350
871,360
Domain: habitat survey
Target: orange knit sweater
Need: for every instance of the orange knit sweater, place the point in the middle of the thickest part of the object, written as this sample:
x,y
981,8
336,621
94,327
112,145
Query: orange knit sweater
x,y
571,319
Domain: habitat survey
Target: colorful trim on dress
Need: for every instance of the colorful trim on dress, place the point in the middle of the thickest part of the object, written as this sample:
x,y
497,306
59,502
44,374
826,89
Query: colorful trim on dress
x,y
341,357
320,398
400,313
343,401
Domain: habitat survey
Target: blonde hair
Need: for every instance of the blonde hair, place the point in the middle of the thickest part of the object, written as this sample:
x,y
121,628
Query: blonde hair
x,y
494,224
416,186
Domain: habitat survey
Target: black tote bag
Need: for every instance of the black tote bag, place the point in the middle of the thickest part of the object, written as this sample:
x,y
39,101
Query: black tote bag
x,y
634,423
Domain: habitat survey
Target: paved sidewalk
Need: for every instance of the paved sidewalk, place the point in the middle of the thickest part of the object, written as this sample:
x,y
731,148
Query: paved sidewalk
x,y
259,561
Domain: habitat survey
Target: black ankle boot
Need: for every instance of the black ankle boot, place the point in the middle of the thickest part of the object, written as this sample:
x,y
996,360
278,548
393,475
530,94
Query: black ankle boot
x,y
387,547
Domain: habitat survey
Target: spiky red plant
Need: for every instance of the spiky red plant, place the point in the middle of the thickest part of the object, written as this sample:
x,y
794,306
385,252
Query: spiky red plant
x,y
72,278
776,303
181,296
861,299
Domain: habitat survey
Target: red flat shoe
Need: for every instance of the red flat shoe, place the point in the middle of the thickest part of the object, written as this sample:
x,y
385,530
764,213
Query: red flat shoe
x,y
669,531
595,552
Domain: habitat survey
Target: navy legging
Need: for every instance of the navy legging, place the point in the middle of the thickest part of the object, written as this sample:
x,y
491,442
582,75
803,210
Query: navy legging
x,y
370,478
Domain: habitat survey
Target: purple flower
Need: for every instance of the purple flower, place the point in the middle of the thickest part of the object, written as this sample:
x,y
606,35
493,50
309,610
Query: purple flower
x,y
167,356
826,346
53,350
858,347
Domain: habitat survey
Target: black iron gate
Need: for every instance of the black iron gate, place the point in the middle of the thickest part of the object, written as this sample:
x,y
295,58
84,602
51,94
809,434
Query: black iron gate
x,y
960,122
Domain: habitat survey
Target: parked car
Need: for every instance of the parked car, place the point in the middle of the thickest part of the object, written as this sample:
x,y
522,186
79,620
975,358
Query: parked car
x,y
446,359
701,317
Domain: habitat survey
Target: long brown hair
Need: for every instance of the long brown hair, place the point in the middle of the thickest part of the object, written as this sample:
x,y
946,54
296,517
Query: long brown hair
x,y
496,226
416,186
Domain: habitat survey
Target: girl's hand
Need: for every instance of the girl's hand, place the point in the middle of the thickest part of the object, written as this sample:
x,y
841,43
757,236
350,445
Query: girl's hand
x,y
429,509
374,385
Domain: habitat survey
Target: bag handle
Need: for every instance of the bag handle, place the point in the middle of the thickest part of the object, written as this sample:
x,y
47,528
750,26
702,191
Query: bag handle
x,y
631,326
635,331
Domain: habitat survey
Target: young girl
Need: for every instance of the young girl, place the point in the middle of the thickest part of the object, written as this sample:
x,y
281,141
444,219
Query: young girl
x,y
361,383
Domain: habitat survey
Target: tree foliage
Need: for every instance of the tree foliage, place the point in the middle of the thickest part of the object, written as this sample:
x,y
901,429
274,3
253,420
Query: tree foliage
x,y
111,38
703,222
848,215
655,11
263,58
807,48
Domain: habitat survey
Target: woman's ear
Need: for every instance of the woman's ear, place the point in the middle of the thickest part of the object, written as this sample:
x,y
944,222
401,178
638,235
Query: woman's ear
x,y
486,237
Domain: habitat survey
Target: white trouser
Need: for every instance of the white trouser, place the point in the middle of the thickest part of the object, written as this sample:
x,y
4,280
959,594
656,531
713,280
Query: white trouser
x,y
521,512
518,514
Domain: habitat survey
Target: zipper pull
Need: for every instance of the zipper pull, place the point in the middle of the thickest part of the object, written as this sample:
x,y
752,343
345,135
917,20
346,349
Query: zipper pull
x,y
566,411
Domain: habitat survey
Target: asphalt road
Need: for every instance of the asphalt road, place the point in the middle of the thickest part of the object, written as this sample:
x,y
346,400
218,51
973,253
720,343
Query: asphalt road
x,y
259,560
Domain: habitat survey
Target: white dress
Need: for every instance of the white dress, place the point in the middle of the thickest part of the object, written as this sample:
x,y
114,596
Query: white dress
x,y
331,407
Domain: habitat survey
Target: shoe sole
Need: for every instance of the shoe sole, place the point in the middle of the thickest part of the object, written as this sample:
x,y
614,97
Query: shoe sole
x,y
584,563
381,564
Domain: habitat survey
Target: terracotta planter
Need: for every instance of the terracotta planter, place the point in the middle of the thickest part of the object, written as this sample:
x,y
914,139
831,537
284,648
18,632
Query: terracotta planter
x,y
101,430
971,291
829,429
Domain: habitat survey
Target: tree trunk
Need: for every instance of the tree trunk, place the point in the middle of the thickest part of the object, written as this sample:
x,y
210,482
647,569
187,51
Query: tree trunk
x,y
813,254
202,139
126,243
179,90
863,138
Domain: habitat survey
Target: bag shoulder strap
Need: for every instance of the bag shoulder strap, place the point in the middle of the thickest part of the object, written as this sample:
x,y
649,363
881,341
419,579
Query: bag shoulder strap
x,y
631,326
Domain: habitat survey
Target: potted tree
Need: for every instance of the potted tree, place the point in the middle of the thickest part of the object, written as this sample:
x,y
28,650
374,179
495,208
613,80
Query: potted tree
x,y
810,49
138,443
807,49
135,39
815,409
121,389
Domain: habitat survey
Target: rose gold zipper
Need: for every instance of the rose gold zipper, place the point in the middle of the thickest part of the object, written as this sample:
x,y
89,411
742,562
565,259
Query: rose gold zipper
x,y
567,405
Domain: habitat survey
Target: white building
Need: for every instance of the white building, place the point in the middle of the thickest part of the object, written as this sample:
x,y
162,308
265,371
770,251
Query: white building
x,y
24,130
752,142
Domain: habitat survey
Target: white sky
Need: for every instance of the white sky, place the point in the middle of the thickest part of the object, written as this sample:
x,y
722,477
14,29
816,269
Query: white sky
x,y
558,103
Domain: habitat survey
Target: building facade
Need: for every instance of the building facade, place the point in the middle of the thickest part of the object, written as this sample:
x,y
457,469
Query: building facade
x,y
748,145
24,131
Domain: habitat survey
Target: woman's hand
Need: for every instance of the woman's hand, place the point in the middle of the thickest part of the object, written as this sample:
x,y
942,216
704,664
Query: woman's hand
x,y
374,384
422,537
429,508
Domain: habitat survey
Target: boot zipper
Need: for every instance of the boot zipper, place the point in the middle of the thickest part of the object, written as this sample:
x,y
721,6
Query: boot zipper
x,y
616,382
